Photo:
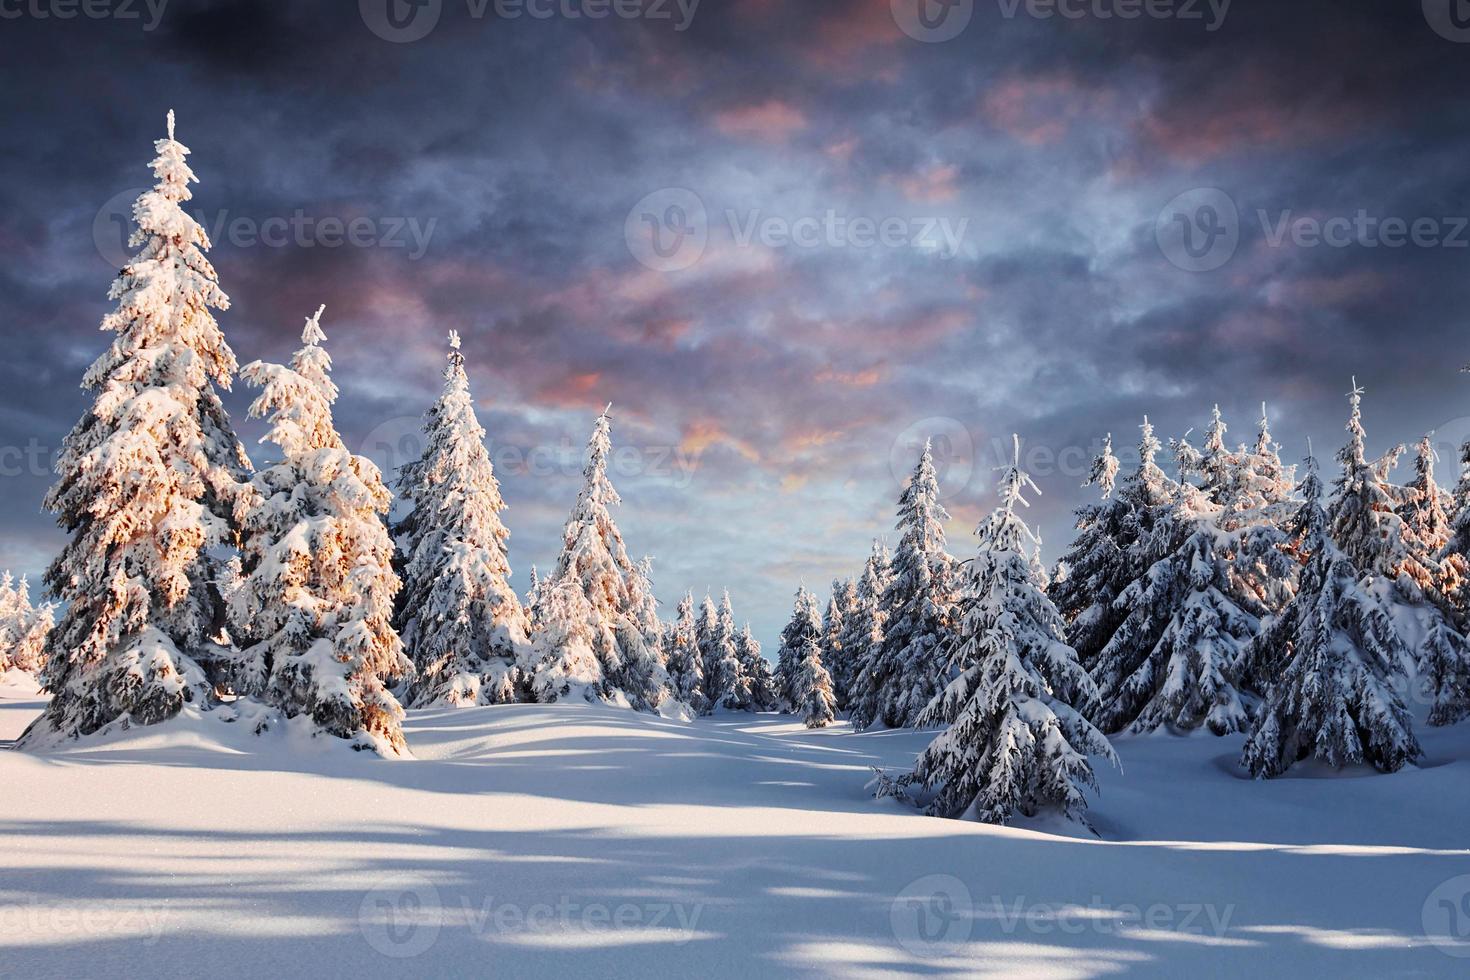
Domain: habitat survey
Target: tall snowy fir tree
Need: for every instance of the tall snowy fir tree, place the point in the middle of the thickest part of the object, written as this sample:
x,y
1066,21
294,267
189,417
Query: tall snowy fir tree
x,y
1257,502
147,485
802,680
567,666
1016,744
682,656
735,680
909,668
1213,462
1332,651
461,623
594,560
1455,555
1426,525
1260,489
314,607
23,628
1362,512
716,634
763,693
1172,660
1116,544
862,634
841,604
1434,570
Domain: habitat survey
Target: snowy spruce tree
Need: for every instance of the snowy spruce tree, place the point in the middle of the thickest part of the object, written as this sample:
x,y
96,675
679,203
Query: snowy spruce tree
x,y
567,666
1434,570
909,668
1372,520
716,633
803,681
313,609
1172,660
1362,513
1258,501
755,668
1117,541
147,485
1333,651
23,628
840,604
1260,490
1016,743
735,680
1213,462
461,623
595,561
862,633
682,656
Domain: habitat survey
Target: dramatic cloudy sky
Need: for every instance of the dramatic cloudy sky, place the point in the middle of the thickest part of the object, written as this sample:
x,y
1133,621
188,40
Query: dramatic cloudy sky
x,y
507,176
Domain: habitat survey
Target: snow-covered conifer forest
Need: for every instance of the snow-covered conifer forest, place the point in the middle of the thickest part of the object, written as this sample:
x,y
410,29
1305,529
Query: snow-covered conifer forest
x,y
272,705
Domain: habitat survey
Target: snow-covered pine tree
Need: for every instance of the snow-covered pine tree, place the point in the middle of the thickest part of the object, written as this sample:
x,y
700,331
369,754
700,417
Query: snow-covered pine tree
x,y
1455,555
716,635
763,694
10,619
1362,513
314,606
838,662
1015,742
1426,524
147,485
1334,649
533,601
1258,502
1212,463
1435,571
1115,544
594,559
1172,660
909,668
567,665
863,627
832,639
462,624
804,683
683,657
734,680
23,628
1260,487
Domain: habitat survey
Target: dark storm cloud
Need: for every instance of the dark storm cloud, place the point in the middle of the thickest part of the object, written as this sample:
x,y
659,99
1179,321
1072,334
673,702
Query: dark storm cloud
x,y
795,380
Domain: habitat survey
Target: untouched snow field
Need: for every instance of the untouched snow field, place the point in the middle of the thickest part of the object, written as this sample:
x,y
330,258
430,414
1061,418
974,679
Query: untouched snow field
x,y
588,842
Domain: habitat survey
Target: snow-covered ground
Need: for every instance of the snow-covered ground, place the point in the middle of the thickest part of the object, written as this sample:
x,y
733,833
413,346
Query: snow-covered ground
x,y
580,841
